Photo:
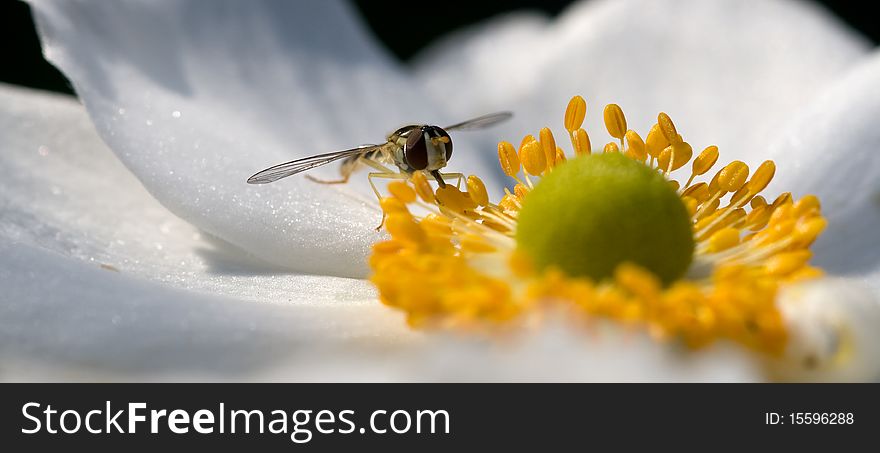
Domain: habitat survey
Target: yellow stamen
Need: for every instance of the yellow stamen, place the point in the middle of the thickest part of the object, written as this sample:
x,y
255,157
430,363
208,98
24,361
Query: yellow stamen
x,y
733,176
668,129
656,142
392,204
560,154
723,239
581,142
548,143
675,156
403,226
451,198
762,177
532,157
635,146
575,113
703,163
477,191
786,263
611,147
508,158
699,192
402,191
422,187
615,122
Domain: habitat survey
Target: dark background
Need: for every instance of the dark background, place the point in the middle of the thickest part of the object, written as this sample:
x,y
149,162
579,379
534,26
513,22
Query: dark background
x,y
21,62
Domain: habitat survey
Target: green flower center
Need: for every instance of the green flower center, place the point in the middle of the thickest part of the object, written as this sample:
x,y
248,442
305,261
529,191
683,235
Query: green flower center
x,y
595,212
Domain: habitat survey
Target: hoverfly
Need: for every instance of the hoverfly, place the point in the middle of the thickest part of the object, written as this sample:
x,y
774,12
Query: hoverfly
x,y
417,147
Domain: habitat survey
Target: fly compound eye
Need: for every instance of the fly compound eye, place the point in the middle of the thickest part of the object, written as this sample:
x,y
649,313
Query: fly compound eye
x,y
415,150
438,135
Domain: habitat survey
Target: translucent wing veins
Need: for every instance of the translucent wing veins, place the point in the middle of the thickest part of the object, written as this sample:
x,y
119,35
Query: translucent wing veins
x,y
293,167
480,122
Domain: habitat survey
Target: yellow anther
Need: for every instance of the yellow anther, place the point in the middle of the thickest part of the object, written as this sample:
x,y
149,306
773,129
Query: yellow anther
x,y
741,196
716,222
508,203
392,204
707,220
615,122
520,190
691,205
708,208
475,244
675,184
402,191
784,199
675,156
805,205
777,230
635,146
733,176
783,211
714,187
656,142
497,226
699,192
422,187
705,160
452,198
786,263
477,191
575,113
402,227
560,155
806,273
637,281
758,202
805,232
723,239
763,175
581,142
759,217
611,147
508,159
436,225
387,247
532,157
668,128
527,139
548,143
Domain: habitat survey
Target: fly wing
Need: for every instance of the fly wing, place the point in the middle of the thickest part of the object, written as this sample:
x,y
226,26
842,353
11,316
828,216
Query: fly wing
x,y
480,122
293,167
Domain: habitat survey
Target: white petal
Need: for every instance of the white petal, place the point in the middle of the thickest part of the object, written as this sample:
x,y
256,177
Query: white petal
x,y
62,319
833,328
830,150
194,100
62,190
729,72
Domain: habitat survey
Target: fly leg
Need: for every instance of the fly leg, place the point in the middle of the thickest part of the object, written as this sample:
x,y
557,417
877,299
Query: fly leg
x,y
459,176
384,175
349,165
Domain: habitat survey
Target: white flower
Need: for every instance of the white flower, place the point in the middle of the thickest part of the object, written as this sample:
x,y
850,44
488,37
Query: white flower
x,y
256,282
